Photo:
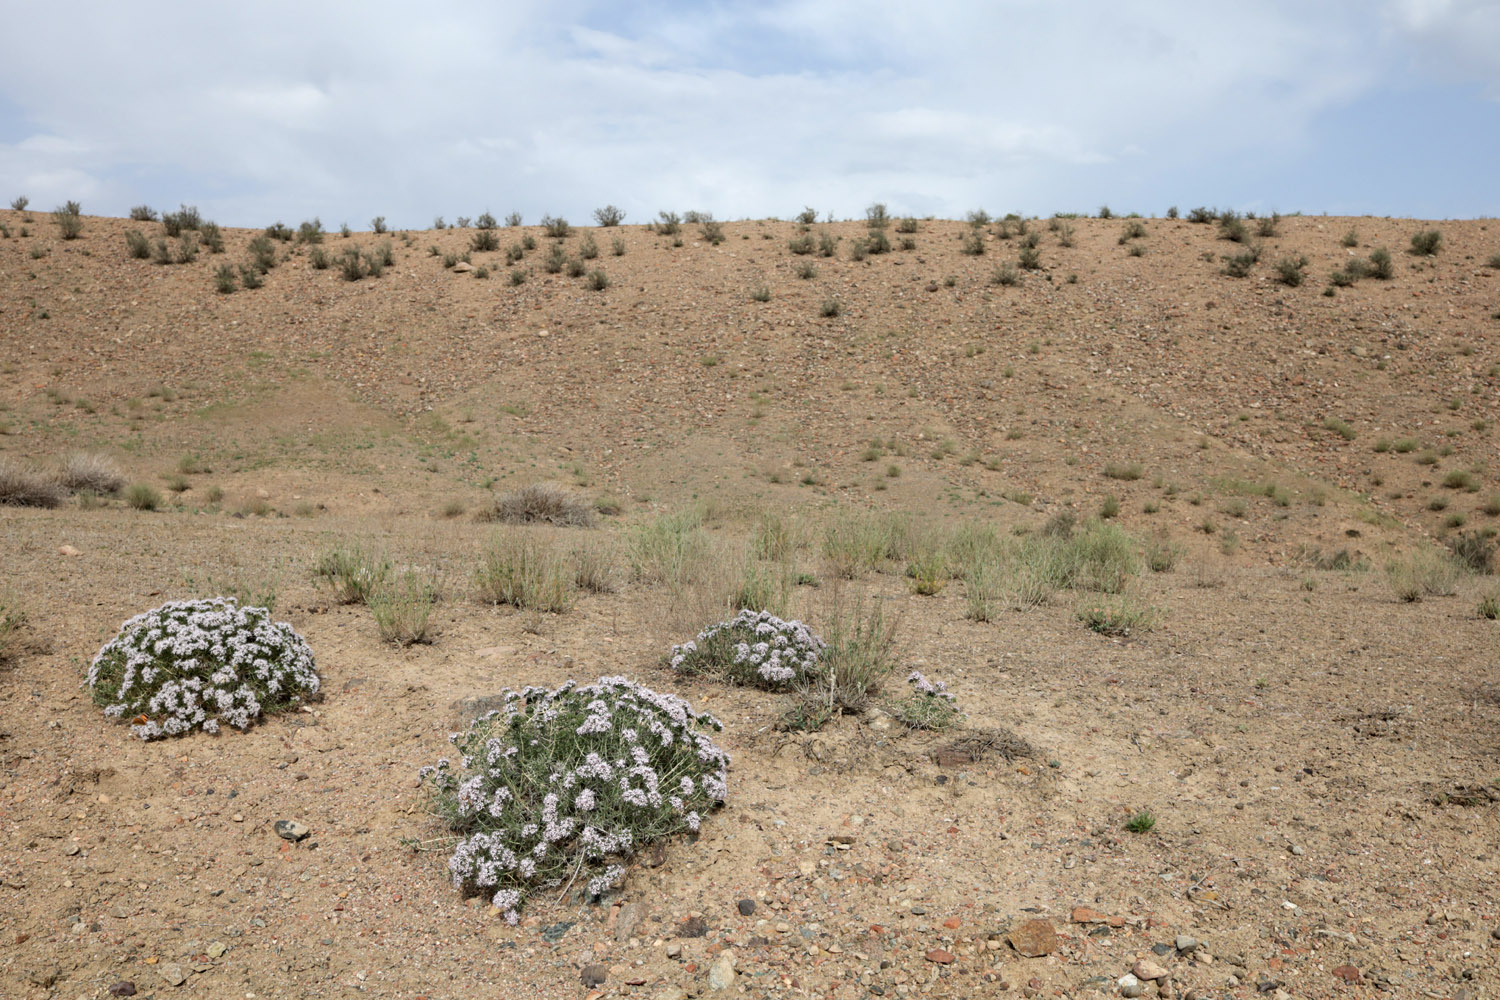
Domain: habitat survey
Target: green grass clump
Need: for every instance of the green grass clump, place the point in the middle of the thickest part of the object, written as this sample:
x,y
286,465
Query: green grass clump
x,y
525,572
140,496
352,574
1142,822
402,608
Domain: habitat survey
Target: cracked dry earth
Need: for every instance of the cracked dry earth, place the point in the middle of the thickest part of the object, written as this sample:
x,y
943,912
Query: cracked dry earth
x,y
1320,757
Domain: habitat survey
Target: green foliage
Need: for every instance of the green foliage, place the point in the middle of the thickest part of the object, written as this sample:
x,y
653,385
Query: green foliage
x,y
225,280
524,571
69,223
352,574
1426,243
402,608
141,496
1291,271
609,216
137,245
1142,822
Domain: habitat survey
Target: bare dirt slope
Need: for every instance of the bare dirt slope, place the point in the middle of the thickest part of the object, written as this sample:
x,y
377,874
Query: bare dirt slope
x,y
1320,757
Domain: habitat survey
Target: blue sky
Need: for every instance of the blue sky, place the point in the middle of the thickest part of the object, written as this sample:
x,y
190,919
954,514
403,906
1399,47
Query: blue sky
x,y
278,111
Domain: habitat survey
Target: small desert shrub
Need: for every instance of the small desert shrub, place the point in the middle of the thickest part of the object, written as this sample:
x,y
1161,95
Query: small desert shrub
x,y
213,238
1007,275
609,215
1291,271
1350,239
588,249
517,276
1162,554
929,706
1489,607
594,569
1461,479
557,228
1266,225
262,254
352,574
1428,571
69,224
1380,264
574,267
542,503
667,224
859,654
1202,215
484,241
973,243
1233,228
1133,230
12,620
83,471
854,544
556,259
1474,551
1118,615
557,784
352,265
21,487
279,231
760,293
1339,427
672,549
1128,471
1239,265
617,247
598,280
830,308
859,250
1142,822
524,572
137,245
140,496
805,270
319,259
803,244
194,664
1494,261
1426,243
402,608
754,648
251,276
711,230
377,224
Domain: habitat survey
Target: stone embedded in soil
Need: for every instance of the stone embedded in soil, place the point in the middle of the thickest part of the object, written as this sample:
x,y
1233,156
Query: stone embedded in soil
x,y
1347,973
290,829
940,956
1148,970
721,974
172,973
1130,986
216,949
746,907
693,927
1034,938
124,988
626,920
594,975
1084,915
1186,944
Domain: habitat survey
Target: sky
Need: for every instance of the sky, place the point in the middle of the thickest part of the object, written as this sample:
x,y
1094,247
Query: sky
x,y
277,111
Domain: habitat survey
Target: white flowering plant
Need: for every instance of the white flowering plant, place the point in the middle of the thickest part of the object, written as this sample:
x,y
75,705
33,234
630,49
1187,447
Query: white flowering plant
x,y
567,783
930,705
196,664
754,648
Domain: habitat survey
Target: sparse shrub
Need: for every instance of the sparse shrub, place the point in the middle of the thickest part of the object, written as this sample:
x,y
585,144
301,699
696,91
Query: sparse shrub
x,y
878,243
137,245
18,204
973,243
1341,279
1350,239
574,268
667,224
555,785
830,308
185,218
517,276
860,652
761,293
262,254
556,259
485,221
1132,230
140,496
1030,258
524,572
319,259
542,503
1239,265
1426,243
1380,264
1007,275
754,648
805,270
1427,571
352,574
1172,212
1339,427
213,238
143,213
587,248
807,216
1474,550
1461,479
251,277
929,706
594,569
1267,225
484,240
402,608
196,664
1119,615
1201,215
377,225
187,248
1233,228
598,280
557,228
907,225
69,223
513,220
609,216
1127,471
352,264
1142,822
803,244
827,245
20,487
1110,508
1291,271
617,247
1489,607
858,250
1494,261
711,230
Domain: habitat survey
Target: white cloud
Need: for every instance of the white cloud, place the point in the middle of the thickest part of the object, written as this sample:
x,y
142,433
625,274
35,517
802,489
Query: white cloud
x,y
346,112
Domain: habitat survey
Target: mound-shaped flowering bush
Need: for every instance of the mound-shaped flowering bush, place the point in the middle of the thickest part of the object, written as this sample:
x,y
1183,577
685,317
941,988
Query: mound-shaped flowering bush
x,y
754,648
563,784
195,664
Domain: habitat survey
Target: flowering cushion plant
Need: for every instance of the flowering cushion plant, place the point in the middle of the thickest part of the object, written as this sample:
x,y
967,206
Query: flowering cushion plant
x,y
754,648
194,664
562,783
929,706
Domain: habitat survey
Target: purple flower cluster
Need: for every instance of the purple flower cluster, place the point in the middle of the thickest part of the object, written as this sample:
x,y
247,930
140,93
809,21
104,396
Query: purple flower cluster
x,y
753,647
924,686
558,781
196,664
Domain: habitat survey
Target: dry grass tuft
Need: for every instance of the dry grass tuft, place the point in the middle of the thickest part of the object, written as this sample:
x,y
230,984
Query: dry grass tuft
x,y
93,473
20,487
542,503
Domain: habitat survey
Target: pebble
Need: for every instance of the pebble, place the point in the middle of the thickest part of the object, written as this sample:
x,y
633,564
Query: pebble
x,y
746,907
693,927
1148,970
290,829
939,956
721,974
171,973
216,949
1130,986
626,920
1034,938
1347,973
1297,850
669,993
71,850
124,988
1186,944
594,975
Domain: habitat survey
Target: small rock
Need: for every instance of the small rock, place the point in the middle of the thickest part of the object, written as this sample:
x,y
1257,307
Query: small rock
x,y
594,975
1186,944
669,993
124,988
1034,938
238,817
721,974
71,850
1084,915
674,950
172,973
940,956
464,267
626,920
68,550
1347,973
693,927
1161,949
1495,933
879,721
216,949
1148,970
1130,986
290,829
746,907
1297,849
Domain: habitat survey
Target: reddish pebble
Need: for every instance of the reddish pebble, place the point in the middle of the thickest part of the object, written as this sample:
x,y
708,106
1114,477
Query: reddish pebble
x,y
1084,915
940,956
1347,973
952,923
952,829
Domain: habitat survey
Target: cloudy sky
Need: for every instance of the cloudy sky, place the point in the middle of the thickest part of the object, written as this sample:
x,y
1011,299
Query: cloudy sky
x,y
269,110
